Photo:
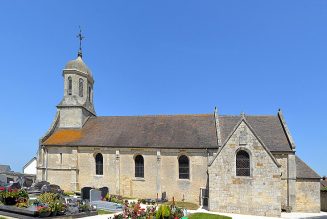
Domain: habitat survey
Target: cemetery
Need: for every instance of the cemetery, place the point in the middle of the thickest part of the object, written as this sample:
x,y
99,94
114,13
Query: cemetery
x,y
43,199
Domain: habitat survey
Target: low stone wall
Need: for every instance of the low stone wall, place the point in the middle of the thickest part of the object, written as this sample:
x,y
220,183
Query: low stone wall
x,y
323,200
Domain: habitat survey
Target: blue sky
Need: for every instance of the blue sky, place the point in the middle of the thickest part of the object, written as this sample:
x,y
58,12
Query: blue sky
x,y
166,57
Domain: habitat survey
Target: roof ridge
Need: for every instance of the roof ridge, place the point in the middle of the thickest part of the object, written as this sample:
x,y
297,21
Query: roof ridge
x,y
157,115
247,115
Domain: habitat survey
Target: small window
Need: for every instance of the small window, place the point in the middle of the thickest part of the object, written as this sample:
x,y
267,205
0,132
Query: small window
x,y
242,163
70,85
89,93
81,87
60,158
139,166
184,167
99,164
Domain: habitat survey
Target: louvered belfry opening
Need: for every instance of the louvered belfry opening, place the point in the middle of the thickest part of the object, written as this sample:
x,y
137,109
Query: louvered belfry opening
x,y
242,163
139,166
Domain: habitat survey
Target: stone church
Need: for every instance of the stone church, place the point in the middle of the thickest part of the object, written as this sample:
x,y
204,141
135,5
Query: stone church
x,y
227,163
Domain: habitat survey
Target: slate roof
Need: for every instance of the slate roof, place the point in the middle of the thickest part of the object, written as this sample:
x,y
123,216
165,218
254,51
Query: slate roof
x,y
177,131
268,128
4,168
303,171
170,131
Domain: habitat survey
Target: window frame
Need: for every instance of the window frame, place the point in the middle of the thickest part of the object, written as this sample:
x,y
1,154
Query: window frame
x,y
237,162
98,164
70,86
81,87
139,166
187,168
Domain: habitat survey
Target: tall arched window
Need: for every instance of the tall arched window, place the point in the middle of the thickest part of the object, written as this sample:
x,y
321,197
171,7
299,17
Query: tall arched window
x,y
70,85
99,164
81,87
184,167
89,93
139,166
242,163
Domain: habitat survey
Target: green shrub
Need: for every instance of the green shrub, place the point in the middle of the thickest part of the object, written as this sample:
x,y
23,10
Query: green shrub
x,y
159,212
52,200
165,211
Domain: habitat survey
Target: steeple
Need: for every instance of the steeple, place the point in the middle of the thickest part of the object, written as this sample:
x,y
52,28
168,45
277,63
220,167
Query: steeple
x,y
77,103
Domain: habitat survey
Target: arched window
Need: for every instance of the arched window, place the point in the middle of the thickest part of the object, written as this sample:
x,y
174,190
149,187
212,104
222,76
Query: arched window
x,y
184,167
242,163
99,164
139,166
70,85
81,87
89,93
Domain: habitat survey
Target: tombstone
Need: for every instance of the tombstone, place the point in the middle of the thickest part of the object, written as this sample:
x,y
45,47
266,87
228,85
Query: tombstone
x,y
39,185
3,180
95,195
164,197
85,193
55,189
104,191
14,185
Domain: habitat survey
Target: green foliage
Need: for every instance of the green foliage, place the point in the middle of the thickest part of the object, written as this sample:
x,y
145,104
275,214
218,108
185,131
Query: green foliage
x,y
52,200
187,205
159,212
69,193
207,216
165,211
100,212
324,189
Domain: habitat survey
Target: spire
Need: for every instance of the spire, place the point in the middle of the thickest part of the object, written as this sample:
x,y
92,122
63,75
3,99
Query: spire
x,y
81,37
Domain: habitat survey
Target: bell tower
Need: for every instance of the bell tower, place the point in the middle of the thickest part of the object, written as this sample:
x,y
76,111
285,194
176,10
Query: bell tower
x,y
77,103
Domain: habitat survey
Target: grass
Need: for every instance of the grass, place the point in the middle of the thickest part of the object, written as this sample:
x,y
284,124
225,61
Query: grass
x,y
187,205
100,211
3,218
207,216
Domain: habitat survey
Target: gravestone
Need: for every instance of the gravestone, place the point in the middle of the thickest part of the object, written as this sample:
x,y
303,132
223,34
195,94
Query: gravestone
x,y
95,195
39,185
164,196
85,193
14,185
104,191
3,180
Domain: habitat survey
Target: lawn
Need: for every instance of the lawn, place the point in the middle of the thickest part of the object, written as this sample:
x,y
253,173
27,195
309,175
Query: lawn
x,y
207,216
102,212
187,205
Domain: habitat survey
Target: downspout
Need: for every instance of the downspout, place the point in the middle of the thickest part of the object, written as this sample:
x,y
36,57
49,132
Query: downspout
x,y
46,163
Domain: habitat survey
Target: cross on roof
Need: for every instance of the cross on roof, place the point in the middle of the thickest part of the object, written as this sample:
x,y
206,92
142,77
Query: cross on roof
x,y
81,37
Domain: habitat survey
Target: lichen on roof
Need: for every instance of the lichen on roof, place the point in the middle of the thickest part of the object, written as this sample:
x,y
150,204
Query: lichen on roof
x,y
64,136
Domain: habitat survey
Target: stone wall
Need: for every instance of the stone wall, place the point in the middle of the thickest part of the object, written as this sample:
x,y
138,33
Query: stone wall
x,y
282,160
323,200
73,168
307,195
258,194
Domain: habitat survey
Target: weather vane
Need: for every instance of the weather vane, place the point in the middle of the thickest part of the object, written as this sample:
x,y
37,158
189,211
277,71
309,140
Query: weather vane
x,y
81,37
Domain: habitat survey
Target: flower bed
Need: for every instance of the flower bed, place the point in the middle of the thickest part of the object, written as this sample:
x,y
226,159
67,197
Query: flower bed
x,y
135,211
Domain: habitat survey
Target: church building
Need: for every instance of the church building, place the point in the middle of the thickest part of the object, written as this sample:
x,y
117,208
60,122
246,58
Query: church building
x,y
243,164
